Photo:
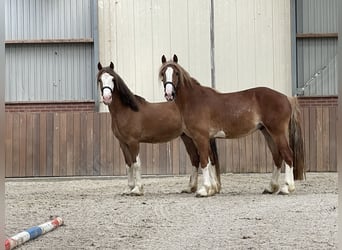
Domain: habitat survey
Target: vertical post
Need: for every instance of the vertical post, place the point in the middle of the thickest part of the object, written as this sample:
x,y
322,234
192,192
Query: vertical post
x,y
212,44
339,120
2,122
293,14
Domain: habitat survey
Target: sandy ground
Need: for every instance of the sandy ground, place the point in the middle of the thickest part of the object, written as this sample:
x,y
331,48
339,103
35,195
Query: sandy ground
x,y
97,216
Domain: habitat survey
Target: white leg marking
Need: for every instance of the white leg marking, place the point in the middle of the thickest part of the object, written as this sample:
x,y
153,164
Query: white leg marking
x,y
209,183
289,186
274,184
192,187
138,189
131,179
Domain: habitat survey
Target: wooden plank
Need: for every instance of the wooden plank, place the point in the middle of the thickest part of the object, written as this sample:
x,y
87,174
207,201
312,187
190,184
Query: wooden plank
x,y
175,159
242,155
82,167
29,145
42,143
306,135
116,159
182,158
97,145
160,165
56,145
109,146
142,156
16,143
77,134
221,151
49,144
249,154
229,156
70,134
333,139
90,143
313,139
255,152
235,156
63,144
36,144
263,148
103,142
149,158
319,138
9,145
22,144
325,139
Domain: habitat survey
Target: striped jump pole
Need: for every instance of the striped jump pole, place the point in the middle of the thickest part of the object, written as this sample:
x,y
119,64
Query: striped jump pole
x,y
32,233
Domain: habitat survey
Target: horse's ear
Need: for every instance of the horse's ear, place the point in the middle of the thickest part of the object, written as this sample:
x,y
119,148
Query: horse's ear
x,y
175,58
163,59
99,66
111,65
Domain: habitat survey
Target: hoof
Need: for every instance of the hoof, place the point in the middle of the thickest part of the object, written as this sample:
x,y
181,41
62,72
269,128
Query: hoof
x,y
266,191
287,189
136,191
205,192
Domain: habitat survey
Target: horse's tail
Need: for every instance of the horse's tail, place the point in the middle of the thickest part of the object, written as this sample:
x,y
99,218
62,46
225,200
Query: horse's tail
x,y
296,140
213,148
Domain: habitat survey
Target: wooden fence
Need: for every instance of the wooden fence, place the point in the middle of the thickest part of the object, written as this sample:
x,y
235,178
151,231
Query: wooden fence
x,y
82,144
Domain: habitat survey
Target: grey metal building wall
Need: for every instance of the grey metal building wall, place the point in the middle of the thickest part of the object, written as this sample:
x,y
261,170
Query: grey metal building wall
x,y
49,50
316,24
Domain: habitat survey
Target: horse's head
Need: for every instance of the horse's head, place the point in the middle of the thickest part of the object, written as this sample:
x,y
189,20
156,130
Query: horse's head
x,y
105,78
170,76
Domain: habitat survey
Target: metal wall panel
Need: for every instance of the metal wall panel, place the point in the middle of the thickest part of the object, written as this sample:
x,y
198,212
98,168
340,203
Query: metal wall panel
x,y
317,16
252,42
135,34
49,72
48,19
316,56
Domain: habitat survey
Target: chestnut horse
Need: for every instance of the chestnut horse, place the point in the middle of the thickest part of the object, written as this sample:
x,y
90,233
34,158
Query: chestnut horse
x,y
209,114
135,120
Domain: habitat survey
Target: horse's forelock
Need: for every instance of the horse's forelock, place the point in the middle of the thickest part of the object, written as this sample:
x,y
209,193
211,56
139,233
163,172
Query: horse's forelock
x,y
184,76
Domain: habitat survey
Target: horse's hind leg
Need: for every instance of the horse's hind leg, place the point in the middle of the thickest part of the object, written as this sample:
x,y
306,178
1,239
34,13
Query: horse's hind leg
x,y
278,161
195,160
287,155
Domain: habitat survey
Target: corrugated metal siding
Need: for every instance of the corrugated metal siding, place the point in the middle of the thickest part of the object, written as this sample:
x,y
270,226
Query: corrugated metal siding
x,y
48,19
49,72
316,57
317,16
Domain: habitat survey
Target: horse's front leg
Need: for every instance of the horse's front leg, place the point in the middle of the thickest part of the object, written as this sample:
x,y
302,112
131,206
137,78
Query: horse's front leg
x,y
133,167
210,184
138,188
195,161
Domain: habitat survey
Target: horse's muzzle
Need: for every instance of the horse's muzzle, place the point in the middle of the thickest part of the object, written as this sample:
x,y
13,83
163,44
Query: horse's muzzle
x,y
107,99
169,90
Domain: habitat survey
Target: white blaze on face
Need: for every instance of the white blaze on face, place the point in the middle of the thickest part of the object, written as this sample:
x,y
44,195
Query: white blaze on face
x,y
168,76
107,81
